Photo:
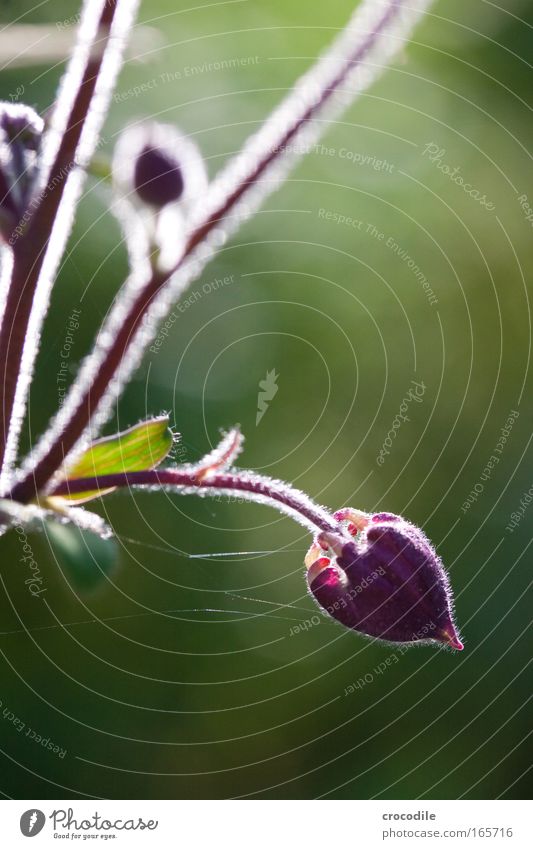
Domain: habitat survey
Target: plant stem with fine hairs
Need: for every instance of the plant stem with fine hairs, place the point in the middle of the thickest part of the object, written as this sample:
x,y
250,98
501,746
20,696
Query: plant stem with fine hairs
x,y
67,148
357,55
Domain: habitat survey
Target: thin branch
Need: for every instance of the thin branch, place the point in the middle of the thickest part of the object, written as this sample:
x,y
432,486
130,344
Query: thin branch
x,y
248,485
373,35
67,148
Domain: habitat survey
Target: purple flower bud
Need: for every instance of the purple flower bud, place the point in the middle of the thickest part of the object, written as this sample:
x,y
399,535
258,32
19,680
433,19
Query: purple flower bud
x,y
20,134
154,166
379,575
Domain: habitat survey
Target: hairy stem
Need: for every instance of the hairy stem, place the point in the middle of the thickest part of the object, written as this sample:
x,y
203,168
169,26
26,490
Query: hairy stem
x,y
249,485
362,50
67,148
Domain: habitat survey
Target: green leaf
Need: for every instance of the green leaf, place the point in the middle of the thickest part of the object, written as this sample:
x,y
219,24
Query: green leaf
x,y
85,558
137,449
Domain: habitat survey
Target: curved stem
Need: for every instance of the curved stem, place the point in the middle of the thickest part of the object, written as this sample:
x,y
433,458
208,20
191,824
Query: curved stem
x,y
250,486
366,44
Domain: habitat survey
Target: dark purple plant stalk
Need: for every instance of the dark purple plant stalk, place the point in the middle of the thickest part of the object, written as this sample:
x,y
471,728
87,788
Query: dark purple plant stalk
x,y
31,246
245,176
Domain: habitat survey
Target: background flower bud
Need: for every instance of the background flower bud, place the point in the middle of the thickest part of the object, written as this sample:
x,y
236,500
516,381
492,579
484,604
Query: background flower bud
x,y
386,581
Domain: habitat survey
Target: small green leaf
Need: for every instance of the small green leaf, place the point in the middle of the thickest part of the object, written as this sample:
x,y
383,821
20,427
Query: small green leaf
x,y
100,167
137,449
85,558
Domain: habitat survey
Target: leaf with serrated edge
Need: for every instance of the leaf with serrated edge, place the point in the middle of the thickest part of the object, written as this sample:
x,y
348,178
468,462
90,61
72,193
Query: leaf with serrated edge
x,y
141,447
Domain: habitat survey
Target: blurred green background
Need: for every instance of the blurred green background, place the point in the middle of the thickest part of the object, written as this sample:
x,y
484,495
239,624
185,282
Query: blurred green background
x,y
178,676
